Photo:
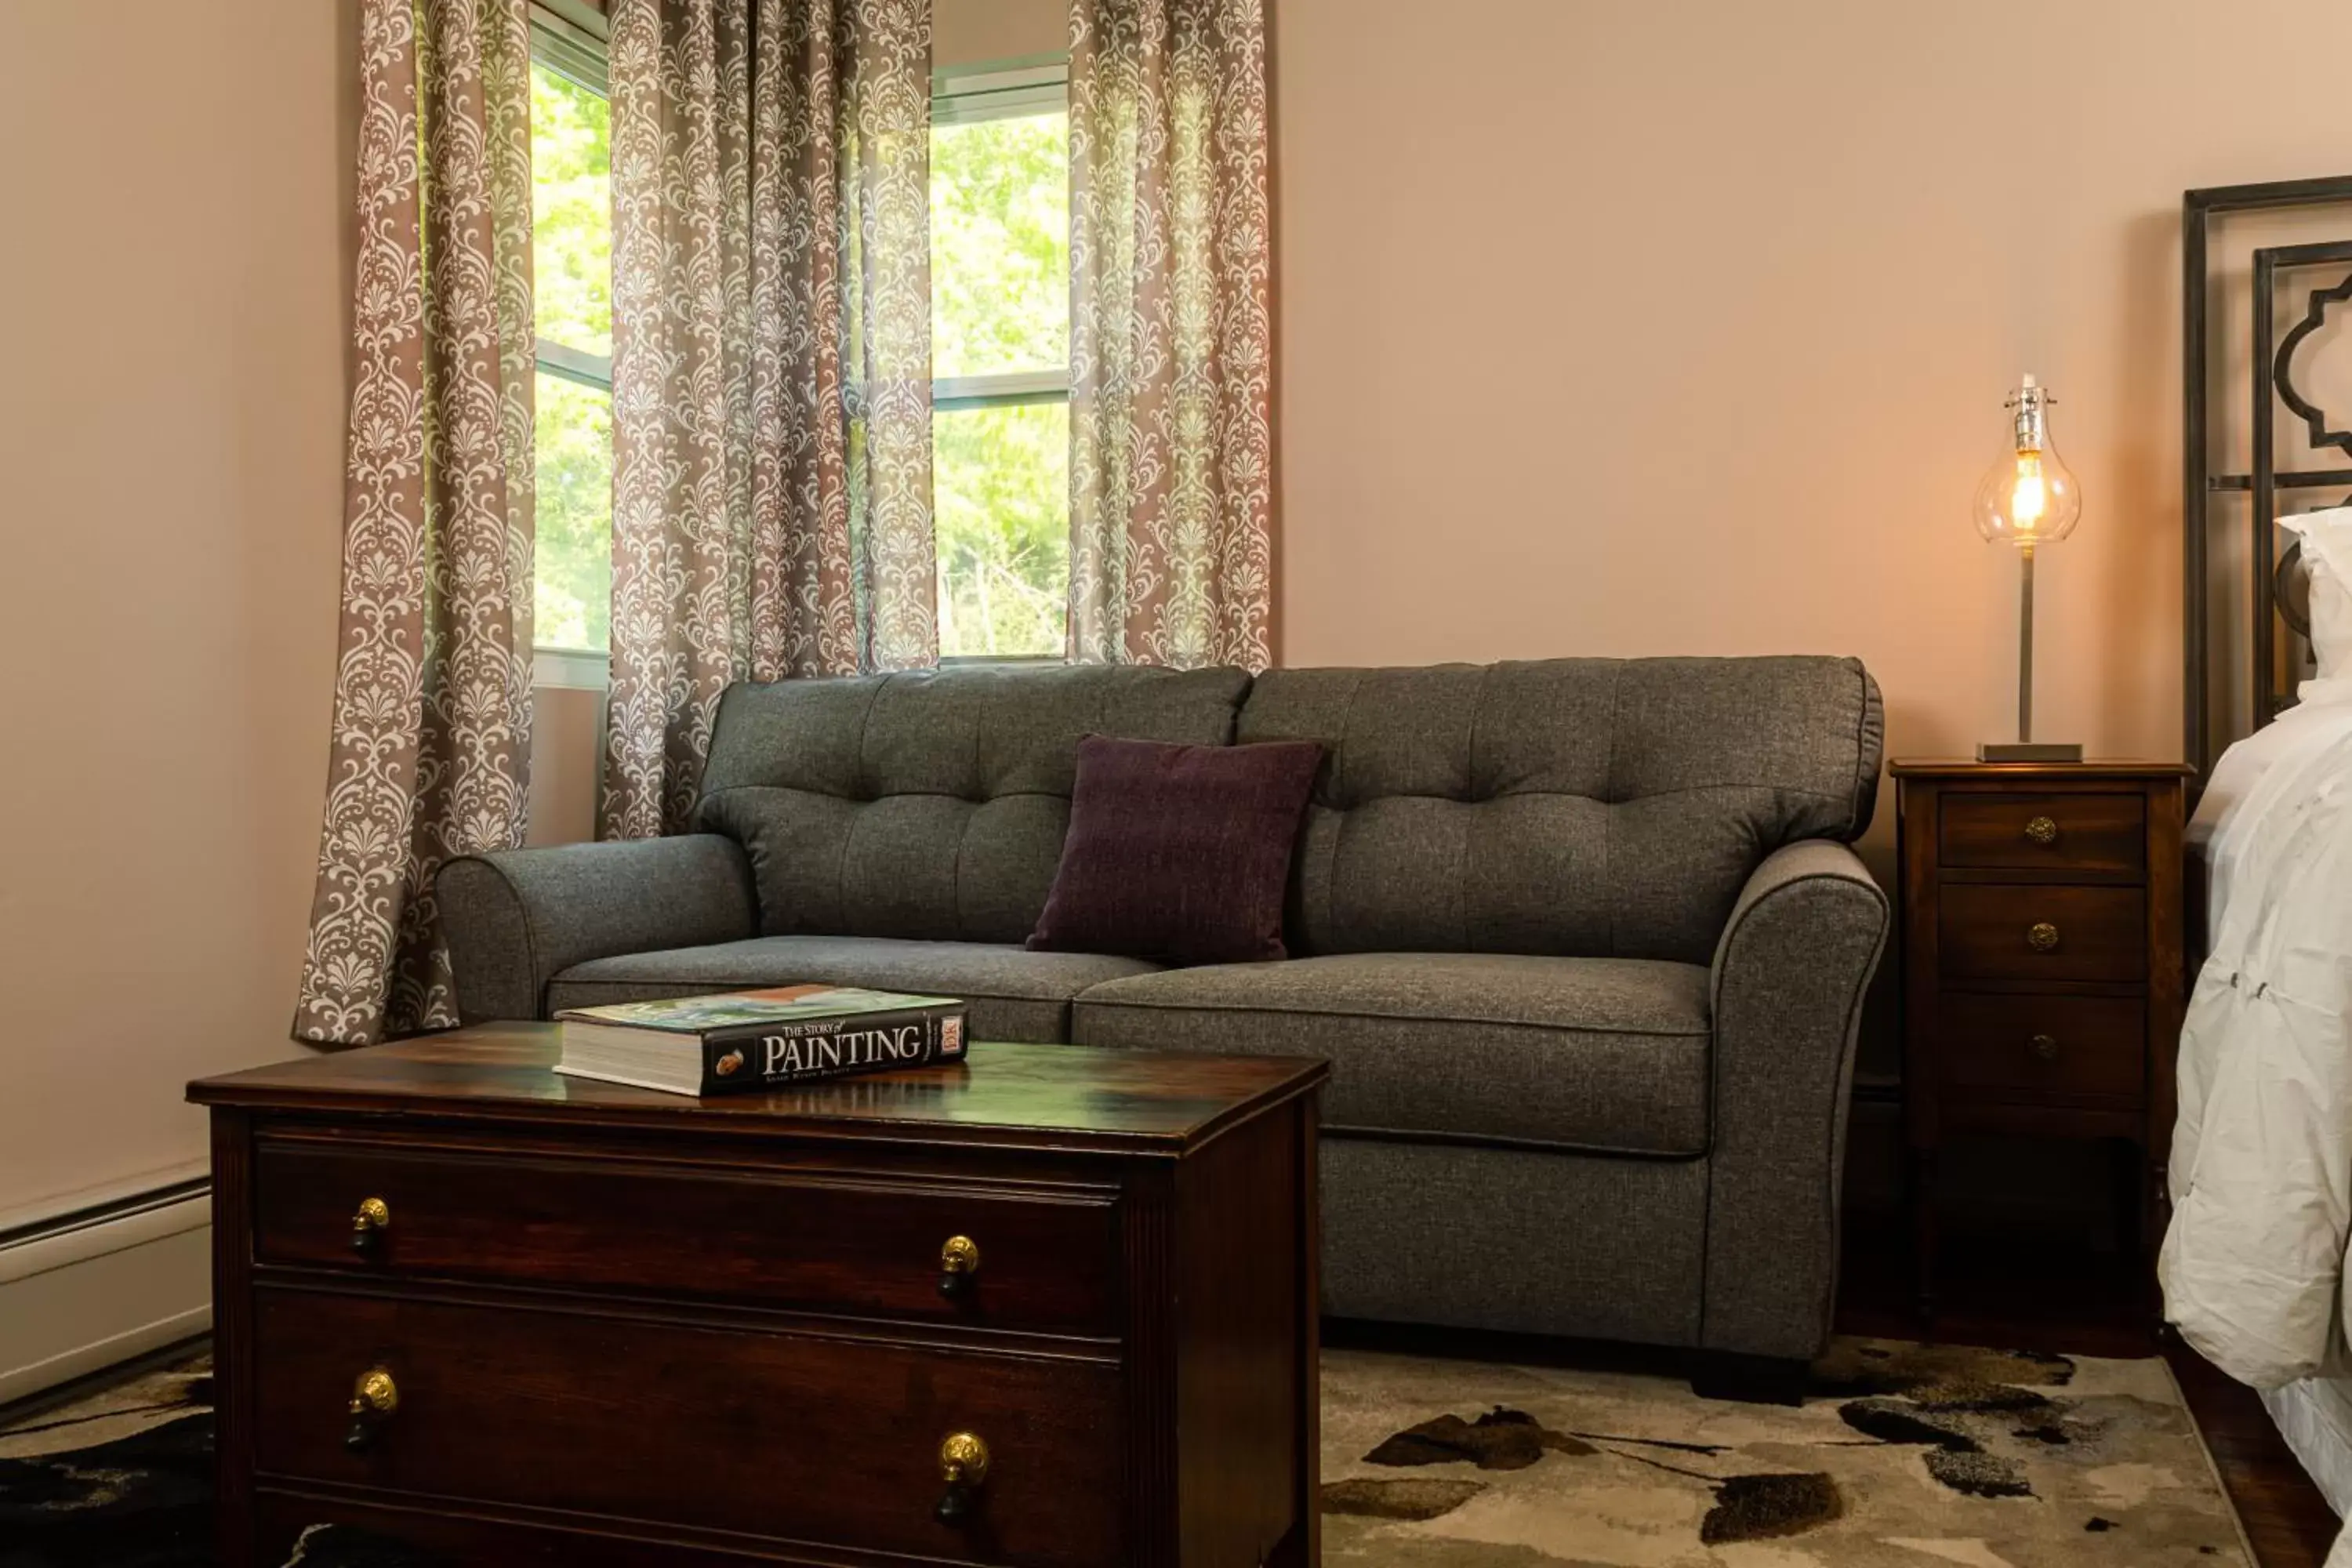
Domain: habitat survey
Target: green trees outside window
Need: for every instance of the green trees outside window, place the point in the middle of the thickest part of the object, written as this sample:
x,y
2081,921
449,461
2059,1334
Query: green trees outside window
x,y
1001,351
571,255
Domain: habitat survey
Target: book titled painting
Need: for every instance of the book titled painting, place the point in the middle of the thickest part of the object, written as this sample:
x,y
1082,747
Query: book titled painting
x,y
750,1040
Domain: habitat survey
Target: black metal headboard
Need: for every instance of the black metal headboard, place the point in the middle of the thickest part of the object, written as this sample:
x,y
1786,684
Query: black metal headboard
x,y
2276,585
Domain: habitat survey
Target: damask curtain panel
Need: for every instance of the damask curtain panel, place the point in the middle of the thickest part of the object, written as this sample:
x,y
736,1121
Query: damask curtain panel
x,y
432,710
1171,471
772,366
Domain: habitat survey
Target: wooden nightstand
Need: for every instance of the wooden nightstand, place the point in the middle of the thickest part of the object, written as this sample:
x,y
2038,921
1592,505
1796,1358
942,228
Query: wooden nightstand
x,y
2042,966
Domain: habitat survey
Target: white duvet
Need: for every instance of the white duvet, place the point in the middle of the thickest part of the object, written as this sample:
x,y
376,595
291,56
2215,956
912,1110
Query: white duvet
x,y
2261,1155
2253,1265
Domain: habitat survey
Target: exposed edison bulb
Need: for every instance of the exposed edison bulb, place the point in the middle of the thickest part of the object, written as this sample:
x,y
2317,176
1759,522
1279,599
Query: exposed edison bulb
x,y
2030,497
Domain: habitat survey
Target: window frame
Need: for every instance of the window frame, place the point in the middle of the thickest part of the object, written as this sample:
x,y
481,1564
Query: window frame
x,y
571,38
568,37
973,95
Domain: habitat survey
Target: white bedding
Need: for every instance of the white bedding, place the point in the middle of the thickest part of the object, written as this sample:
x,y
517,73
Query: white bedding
x,y
2218,833
2261,1155
2315,1415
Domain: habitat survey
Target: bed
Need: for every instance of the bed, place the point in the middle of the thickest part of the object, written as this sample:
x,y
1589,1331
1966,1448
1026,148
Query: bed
x,y
2260,1176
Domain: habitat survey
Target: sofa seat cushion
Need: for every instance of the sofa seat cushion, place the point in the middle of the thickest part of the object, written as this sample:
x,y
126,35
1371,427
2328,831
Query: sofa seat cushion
x,y
1601,1055
1015,994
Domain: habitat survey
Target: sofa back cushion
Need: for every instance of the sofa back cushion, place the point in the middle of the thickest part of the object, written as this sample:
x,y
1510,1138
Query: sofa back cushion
x,y
1604,808
929,805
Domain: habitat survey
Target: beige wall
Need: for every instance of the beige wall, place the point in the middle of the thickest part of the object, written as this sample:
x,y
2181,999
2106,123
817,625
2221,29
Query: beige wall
x,y
170,483
1681,328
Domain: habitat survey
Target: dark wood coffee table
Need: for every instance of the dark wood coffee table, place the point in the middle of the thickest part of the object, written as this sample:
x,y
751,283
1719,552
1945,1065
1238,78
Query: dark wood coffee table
x,y
1057,1306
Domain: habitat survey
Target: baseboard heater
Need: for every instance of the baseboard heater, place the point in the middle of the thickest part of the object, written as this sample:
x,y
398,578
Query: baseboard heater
x,y
104,1282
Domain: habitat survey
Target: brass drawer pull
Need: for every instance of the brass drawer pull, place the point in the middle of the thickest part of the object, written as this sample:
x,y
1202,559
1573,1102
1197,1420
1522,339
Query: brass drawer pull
x,y
2046,1046
2042,937
2042,831
374,1396
958,1267
963,1465
368,1225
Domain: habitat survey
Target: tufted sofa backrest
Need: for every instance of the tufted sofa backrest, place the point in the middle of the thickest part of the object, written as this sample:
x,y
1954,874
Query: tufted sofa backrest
x,y
1589,808
929,804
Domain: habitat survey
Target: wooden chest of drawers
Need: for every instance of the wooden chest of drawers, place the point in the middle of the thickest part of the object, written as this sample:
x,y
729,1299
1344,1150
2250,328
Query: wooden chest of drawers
x,y
2043,961
1055,1308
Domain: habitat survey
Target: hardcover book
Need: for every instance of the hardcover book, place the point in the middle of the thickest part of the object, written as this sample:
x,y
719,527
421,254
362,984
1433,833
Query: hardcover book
x,y
748,1040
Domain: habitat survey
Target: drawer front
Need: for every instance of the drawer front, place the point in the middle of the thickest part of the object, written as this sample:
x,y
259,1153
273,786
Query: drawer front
x,y
2037,1046
451,1540
778,1436
2105,833
868,1246
1993,931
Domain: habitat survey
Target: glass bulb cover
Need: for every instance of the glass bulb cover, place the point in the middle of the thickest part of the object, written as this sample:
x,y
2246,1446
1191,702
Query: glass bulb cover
x,y
2029,497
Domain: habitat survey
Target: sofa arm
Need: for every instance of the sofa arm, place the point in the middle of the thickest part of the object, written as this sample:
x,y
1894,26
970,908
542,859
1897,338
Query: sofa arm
x,y
1790,972
516,918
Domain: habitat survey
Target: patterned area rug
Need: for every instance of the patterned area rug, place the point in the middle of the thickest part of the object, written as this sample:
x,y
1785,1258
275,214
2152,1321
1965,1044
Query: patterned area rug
x,y
1905,1456
123,1478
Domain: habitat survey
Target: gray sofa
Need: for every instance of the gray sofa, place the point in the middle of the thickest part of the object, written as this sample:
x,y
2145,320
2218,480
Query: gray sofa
x,y
1582,938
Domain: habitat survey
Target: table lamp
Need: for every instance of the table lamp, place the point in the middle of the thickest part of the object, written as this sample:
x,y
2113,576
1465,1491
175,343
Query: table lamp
x,y
2029,498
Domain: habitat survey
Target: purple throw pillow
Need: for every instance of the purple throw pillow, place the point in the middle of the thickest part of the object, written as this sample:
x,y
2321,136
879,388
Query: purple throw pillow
x,y
1180,853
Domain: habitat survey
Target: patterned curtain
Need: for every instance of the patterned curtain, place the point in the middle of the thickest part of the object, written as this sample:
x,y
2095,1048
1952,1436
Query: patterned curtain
x,y
432,679
771,392
1171,497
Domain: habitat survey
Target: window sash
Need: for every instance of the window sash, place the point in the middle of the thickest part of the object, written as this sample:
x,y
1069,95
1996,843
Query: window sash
x,y
574,364
571,668
952,394
569,38
1007,91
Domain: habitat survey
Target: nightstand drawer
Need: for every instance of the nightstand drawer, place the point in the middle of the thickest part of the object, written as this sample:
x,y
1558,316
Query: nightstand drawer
x,y
2036,1047
868,1246
2104,833
1999,931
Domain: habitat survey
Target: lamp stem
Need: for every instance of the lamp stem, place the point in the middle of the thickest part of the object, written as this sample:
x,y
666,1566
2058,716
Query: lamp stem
x,y
2025,646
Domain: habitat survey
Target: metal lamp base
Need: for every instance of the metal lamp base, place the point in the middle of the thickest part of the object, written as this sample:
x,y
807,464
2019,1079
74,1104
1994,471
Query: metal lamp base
x,y
2022,750
2029,752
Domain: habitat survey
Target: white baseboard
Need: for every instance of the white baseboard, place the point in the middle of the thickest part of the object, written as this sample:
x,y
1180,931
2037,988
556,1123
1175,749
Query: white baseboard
x,y
103,1286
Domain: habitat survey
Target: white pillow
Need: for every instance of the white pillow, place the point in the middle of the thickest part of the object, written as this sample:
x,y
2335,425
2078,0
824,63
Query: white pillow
x,y
2328,560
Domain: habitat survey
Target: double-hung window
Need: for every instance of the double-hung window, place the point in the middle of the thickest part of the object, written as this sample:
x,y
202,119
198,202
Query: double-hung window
x,y
1000,358
571,216
1001,351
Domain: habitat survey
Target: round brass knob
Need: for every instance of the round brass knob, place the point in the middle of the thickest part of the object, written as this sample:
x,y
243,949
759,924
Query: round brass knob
x,y
963,1465
368,1223
2042,937
959,1262
375,1390
2046,1046
374,1396
2042,831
